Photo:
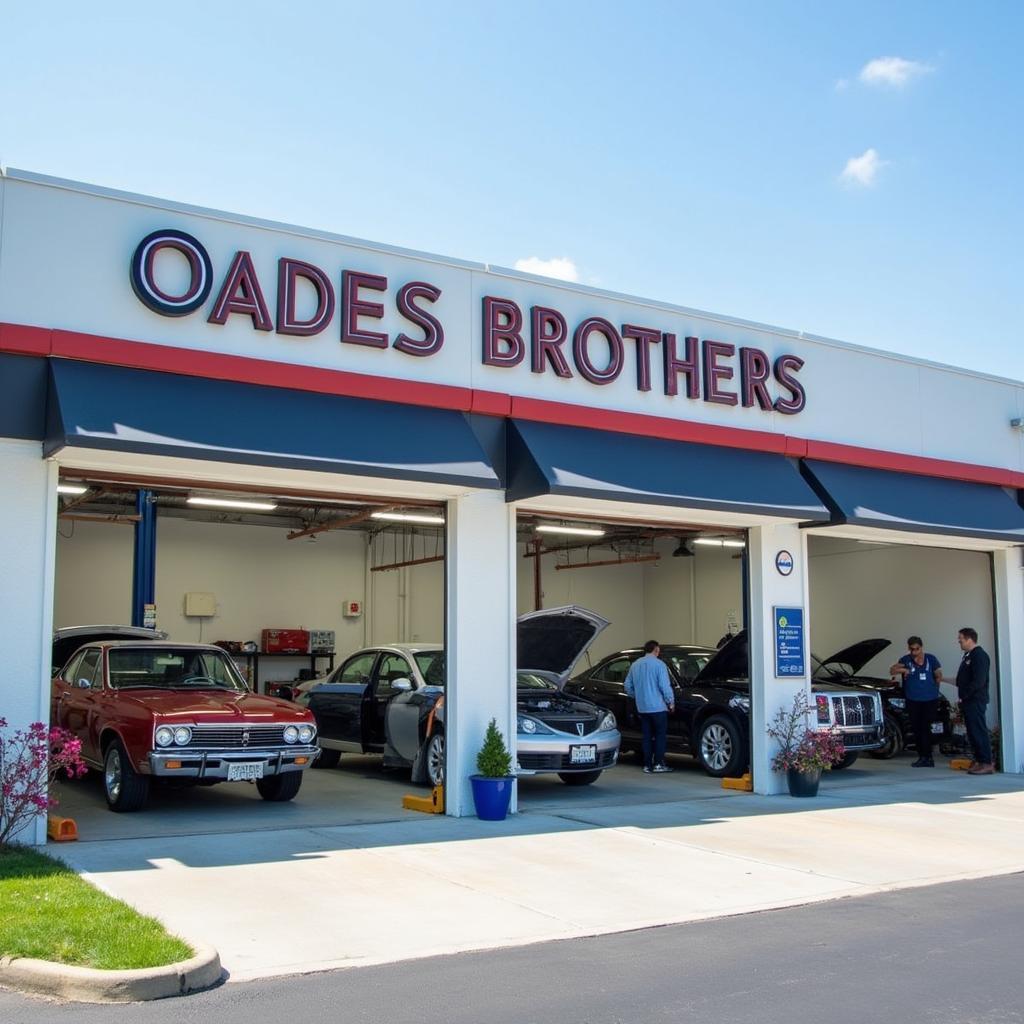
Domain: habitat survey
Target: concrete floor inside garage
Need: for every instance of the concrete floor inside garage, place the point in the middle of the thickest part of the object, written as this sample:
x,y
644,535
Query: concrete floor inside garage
x,y
360,792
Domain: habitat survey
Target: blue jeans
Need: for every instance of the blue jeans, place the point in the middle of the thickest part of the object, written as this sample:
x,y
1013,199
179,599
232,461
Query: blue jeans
x,y
977,730
655,732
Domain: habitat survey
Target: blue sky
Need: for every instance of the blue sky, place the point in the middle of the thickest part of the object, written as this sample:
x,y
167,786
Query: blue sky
x,y
692,153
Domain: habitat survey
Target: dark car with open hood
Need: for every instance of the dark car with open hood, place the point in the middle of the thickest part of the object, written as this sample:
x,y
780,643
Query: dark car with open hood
x,y
844,669
390,700
146,708
711,720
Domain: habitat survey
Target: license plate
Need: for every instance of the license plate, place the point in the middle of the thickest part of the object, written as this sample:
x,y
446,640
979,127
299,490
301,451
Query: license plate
x,y
243,772
583,754
937,728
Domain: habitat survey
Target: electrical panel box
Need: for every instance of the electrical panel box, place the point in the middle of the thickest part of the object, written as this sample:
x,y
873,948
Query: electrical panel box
x,y
200,605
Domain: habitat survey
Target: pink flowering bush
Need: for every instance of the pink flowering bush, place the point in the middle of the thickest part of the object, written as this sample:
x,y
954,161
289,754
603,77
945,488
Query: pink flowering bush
x,y
801,748
30,759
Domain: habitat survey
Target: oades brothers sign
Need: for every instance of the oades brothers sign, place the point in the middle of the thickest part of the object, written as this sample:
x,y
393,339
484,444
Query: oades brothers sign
x,y
696,368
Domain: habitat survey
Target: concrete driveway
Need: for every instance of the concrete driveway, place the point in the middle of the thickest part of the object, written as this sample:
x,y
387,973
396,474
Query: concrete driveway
x,y
309,898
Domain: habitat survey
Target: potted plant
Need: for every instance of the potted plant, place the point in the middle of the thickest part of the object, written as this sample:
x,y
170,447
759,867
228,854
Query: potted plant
x,y
492,785
804,753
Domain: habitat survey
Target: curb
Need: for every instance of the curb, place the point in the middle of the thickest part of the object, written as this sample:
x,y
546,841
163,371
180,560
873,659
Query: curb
x,y
90,985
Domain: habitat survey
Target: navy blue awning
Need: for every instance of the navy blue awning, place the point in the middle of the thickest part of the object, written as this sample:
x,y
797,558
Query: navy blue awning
x,y
548,459
121,409
918,504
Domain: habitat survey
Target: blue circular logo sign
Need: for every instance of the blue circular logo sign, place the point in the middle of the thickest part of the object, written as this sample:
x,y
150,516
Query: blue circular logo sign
x,y
784,563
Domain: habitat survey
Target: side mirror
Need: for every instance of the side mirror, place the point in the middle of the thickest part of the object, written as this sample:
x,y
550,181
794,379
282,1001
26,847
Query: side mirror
x,y
403,685
84,684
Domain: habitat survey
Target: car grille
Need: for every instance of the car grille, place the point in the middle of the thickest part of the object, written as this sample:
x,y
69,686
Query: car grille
x,y
574,725
209,737
561,762
854,710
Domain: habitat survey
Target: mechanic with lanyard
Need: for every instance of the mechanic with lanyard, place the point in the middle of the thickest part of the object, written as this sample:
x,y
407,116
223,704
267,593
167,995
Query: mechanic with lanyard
x,y
922,674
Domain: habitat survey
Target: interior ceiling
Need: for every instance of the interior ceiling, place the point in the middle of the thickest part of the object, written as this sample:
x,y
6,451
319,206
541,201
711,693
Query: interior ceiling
x,y
306,514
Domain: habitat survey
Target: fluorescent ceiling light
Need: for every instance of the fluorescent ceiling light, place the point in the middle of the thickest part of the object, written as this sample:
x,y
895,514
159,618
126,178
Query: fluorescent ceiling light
x,y
709,542
575,531
734,543
251,506
71,489
408,517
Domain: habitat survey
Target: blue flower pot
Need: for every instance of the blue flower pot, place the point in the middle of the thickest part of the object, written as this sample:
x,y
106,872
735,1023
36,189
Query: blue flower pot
x,y
492,796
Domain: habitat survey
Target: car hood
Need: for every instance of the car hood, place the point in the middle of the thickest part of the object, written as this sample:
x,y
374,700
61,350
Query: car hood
x,y
217,707
857,655
731,661
554,639
67,640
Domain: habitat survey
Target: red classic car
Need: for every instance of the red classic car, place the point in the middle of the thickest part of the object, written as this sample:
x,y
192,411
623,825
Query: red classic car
x,y
146,707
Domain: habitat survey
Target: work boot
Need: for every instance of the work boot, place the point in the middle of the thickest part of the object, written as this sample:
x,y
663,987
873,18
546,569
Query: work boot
x,y
919,763
982,769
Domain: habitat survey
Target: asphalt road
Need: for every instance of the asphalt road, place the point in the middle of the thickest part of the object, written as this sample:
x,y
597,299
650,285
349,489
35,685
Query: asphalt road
x,y
949,954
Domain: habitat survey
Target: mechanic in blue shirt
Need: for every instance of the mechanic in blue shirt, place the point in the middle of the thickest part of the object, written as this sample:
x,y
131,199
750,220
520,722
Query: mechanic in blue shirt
x,y
921,674
649,685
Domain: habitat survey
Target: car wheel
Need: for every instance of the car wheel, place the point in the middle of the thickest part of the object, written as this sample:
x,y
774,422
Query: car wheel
x,y
279,788
719,747
125,789
327,758
893,737
579,778
847,760
433,759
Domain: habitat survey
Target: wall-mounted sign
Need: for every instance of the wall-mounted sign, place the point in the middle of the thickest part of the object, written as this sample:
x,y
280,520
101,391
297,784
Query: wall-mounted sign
x,y
789,642
173,274
784,563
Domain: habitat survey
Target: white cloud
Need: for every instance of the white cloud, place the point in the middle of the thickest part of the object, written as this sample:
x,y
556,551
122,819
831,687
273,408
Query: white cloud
x,y
560,266
862,170
892,71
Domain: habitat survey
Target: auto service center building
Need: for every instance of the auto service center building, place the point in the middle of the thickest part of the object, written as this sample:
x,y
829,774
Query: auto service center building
x,y
142,340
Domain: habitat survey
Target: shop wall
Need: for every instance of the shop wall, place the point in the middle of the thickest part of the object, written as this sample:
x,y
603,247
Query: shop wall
x,y
407,605
867,590
675,600
259,578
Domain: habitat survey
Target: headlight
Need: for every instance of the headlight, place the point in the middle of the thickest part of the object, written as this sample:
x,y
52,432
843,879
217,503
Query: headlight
x,y
306,733
182,735
743,703
291,734
608,723
164,736
524,724
897,702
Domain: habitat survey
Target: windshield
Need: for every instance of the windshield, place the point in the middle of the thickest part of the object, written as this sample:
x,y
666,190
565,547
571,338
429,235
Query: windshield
x,y
169,669
530,681
686,663
431,665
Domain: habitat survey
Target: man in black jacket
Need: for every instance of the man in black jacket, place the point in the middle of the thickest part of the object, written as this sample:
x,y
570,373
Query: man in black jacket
x,y
972,689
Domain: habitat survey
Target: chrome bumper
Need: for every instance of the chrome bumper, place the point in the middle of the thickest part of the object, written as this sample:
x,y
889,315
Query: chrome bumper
x,y
213,764
558,744
867,738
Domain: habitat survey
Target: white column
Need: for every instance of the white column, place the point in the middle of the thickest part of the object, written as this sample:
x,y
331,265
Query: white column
x,y
28,541
480,604
768,589
1009,655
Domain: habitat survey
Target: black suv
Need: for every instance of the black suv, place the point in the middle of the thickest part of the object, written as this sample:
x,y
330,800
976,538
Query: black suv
x,y
711,720
842,669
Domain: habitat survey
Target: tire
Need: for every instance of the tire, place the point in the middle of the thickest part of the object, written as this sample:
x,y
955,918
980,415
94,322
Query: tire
x,y
327,758
893,736
279,788
579,778
432,759
847,760
720,747
125,789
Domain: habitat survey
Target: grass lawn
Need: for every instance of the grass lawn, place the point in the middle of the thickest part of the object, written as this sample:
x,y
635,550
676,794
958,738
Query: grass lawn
x,y
48,912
